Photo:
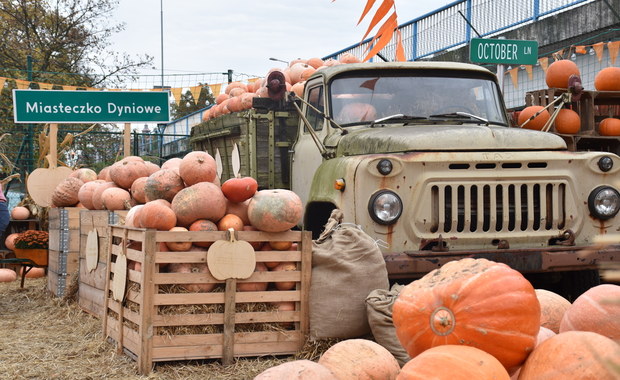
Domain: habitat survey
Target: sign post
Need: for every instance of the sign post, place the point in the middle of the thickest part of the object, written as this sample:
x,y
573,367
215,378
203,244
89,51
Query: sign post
x,y
511,52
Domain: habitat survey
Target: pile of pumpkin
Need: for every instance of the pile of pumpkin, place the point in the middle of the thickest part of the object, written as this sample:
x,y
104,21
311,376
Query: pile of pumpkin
x,y
238,96
185,194
8,274
478,319
568,121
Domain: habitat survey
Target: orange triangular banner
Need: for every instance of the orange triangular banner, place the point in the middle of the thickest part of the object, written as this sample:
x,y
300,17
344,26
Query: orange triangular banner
x,y
580,49
69,88
598,49
613,50
91,89
215,89
46,86
544,63
176,93
528,68
514,75
22,84
195,92
2,81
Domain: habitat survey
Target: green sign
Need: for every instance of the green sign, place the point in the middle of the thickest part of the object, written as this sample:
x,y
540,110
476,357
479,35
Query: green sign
x,y
51,106
513,52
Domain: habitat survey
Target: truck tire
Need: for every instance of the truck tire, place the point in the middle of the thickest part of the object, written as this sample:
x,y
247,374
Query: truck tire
x,y
575,283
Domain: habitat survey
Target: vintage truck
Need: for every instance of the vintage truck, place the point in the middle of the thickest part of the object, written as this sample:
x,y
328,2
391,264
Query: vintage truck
x,y
422,156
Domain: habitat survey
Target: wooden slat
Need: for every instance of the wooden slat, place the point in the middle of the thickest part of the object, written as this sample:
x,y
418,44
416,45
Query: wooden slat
x,y
90,300
54,258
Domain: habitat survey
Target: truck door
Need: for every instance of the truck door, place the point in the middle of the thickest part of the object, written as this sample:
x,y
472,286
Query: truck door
x,y
306,156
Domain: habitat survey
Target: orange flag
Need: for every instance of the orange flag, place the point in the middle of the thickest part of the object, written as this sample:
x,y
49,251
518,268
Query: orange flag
x,y
195,92
514,75
544,63
598,49
176,93
580,50
613,50
46,86
22,84
215,89
528,68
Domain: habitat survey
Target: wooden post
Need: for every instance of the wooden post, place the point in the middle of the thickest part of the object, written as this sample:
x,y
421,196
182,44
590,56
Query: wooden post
x,y
52,158
127,140
229,322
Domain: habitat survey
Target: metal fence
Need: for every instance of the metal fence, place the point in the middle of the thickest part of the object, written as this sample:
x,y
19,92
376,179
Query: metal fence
x,y
454,25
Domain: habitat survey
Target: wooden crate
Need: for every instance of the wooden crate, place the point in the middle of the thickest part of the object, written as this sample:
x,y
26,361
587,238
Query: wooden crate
x,y
92,283
64,248
157,321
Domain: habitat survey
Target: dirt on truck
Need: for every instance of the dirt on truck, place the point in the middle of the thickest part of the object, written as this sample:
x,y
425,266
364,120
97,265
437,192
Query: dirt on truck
x,y
422,156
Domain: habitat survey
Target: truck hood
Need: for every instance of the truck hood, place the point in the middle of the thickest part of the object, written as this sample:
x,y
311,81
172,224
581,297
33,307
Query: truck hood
x,y
469,137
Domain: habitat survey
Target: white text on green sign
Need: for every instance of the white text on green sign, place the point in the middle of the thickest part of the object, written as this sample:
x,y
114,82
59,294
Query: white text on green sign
x,y
51,106
515,52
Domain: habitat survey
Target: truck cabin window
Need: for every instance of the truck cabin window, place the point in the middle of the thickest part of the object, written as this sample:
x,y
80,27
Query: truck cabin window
x,y
315,98
363,99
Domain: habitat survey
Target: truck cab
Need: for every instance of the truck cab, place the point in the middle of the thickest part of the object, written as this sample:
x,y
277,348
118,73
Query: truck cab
x,y
421,156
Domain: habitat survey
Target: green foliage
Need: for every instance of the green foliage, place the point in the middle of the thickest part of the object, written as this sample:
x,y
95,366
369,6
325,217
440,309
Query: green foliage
x,y
188,104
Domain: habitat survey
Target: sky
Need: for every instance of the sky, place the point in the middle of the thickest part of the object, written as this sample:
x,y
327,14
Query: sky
x,y
215,36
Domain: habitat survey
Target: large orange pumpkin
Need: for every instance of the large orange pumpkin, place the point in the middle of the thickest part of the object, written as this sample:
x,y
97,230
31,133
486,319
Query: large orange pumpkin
x,y
229,221
239,189
179,246
608,79
9,242
172,163
256,286
475,302
567,121
116,198
34,272
157,214
197,166
609,127
127,170
203,225
360,359
7,275
296,370
559,72
84,174
538,122
596,310
456,362
137,190
552,309
66,192
85,194
163,184
96,199
275,210
239,209
582,355
204,200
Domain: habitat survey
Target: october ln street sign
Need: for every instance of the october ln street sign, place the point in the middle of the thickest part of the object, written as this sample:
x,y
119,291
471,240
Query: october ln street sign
x,y
51,106
512,52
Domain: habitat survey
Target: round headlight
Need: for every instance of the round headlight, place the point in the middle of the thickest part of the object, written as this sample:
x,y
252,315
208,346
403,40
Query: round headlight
x,y
385,167
605,163
385,207
604,202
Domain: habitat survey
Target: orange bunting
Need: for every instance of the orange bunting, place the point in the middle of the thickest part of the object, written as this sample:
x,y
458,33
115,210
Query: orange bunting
x,y
22,84
514,75
2,81
176,93
598,49
385,32
544,63
613,50
195,92
580,50
215,89
528,69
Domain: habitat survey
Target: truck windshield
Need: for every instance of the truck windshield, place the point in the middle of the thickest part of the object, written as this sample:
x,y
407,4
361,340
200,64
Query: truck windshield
x,y
362,99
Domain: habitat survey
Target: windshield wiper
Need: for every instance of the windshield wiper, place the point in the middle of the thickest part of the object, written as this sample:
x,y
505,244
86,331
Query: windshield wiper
x,y
398,116
452,115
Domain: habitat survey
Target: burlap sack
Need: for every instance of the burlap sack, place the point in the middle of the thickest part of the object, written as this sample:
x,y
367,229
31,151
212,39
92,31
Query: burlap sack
x,y
379,307
347,265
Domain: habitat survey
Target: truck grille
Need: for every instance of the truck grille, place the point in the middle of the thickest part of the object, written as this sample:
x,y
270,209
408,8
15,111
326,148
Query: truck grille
x,y
498,207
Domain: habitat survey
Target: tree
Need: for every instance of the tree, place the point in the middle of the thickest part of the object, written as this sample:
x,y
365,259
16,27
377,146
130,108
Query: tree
x,y
68,41
187,104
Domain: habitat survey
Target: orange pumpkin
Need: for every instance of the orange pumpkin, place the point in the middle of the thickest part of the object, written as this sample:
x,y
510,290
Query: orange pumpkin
x,y
239,189
608,79
192,268
137,190
559,72
9,242
239,209
84,174
233,85
552,309
97,201
275,210
172,163
460,361
131,217
221,97
257,245
283,267
360,359
157,214
230,221
20,213
66,192
596,310
253,286
178,246
315,62
116,198
104,174
567,121
85,194
538,122
582,355
609,127
127,170
476,302
204,200
203,225
163,184
7,275
298,88
349,58
197,166
34,272
296,370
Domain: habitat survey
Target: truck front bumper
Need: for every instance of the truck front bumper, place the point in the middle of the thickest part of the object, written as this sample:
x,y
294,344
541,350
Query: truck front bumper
x,y
534,260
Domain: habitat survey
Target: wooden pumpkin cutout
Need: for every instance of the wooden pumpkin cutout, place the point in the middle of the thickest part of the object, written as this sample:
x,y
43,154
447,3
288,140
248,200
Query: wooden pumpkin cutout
x,y
92,250
231,258
120,278
218,163
236,160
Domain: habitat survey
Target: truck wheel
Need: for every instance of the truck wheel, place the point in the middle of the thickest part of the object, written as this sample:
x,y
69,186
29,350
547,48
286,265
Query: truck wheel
x,y
574,283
